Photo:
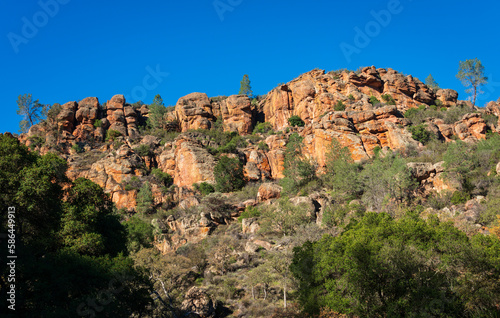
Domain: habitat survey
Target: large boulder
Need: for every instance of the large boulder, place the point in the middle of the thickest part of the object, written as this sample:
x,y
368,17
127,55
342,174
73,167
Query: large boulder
x,y
448,97
198,302
237,114
116,115
194,111
269,191
66,117
193,163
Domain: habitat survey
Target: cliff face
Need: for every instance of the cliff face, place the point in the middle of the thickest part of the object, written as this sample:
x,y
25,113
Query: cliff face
x,y
335,105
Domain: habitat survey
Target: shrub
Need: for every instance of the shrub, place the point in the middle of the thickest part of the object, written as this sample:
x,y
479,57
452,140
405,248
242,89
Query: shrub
x,y
204,188
438,103
296,121
459,197
145,199
263,146
112,134
163,177
351,97
339,106
98,123
443,109
77,147
133,184
250,212
373,100
143,150
36,141
420,133
229,174
388,99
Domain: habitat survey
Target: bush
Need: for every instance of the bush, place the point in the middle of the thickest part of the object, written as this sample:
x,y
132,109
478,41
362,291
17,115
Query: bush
x,y
262,128
373,100
145,199
204,188
111,135
229,175
263,146
296,121
250,212
459,197
133,184
351,97
162,177
339,106
143,150
388,99
77,147
420,133
98,123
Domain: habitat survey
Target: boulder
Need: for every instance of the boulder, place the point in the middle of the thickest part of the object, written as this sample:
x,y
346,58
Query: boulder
x,y
115,114
198,302
448,97
269,191
194,111
237,114
193,163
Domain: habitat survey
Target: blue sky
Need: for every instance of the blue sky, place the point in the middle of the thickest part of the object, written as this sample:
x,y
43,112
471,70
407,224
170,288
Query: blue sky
x,y
65,50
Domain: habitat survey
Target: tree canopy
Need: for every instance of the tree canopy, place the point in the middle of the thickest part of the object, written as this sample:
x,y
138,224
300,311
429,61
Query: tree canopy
x,y
381,267
31,110
471,73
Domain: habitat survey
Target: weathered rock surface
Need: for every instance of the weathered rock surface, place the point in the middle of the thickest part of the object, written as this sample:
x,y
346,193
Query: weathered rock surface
x,y
237,114
194,111
269,191
198,303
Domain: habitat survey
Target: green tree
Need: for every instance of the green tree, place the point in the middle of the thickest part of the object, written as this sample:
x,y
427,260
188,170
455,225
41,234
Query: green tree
x,y
229,175
145,199
156,112
245,88
381,267
89,226
471,73
298,169
31,110
431,83
342,173
296,121
55,235
386,178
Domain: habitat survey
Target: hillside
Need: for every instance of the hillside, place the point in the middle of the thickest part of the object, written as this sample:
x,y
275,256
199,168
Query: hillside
x,y
228,190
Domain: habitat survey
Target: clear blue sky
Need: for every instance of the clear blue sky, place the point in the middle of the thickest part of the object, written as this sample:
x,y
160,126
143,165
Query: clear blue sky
x,y
102,48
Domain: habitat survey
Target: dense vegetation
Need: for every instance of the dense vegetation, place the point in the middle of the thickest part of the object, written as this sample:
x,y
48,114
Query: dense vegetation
x,y
350,239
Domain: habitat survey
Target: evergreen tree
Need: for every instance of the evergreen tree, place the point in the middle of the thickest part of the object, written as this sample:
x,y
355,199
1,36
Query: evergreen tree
x,y
245,88
31,110
431,83
156,111
471,73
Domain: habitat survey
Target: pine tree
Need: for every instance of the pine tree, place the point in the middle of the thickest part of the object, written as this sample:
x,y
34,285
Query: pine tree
x,y
32,111
471,73
431,83
245,88
156,111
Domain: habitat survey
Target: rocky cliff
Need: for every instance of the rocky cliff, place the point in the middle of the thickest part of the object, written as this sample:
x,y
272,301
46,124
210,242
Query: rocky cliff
x,y
362,110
